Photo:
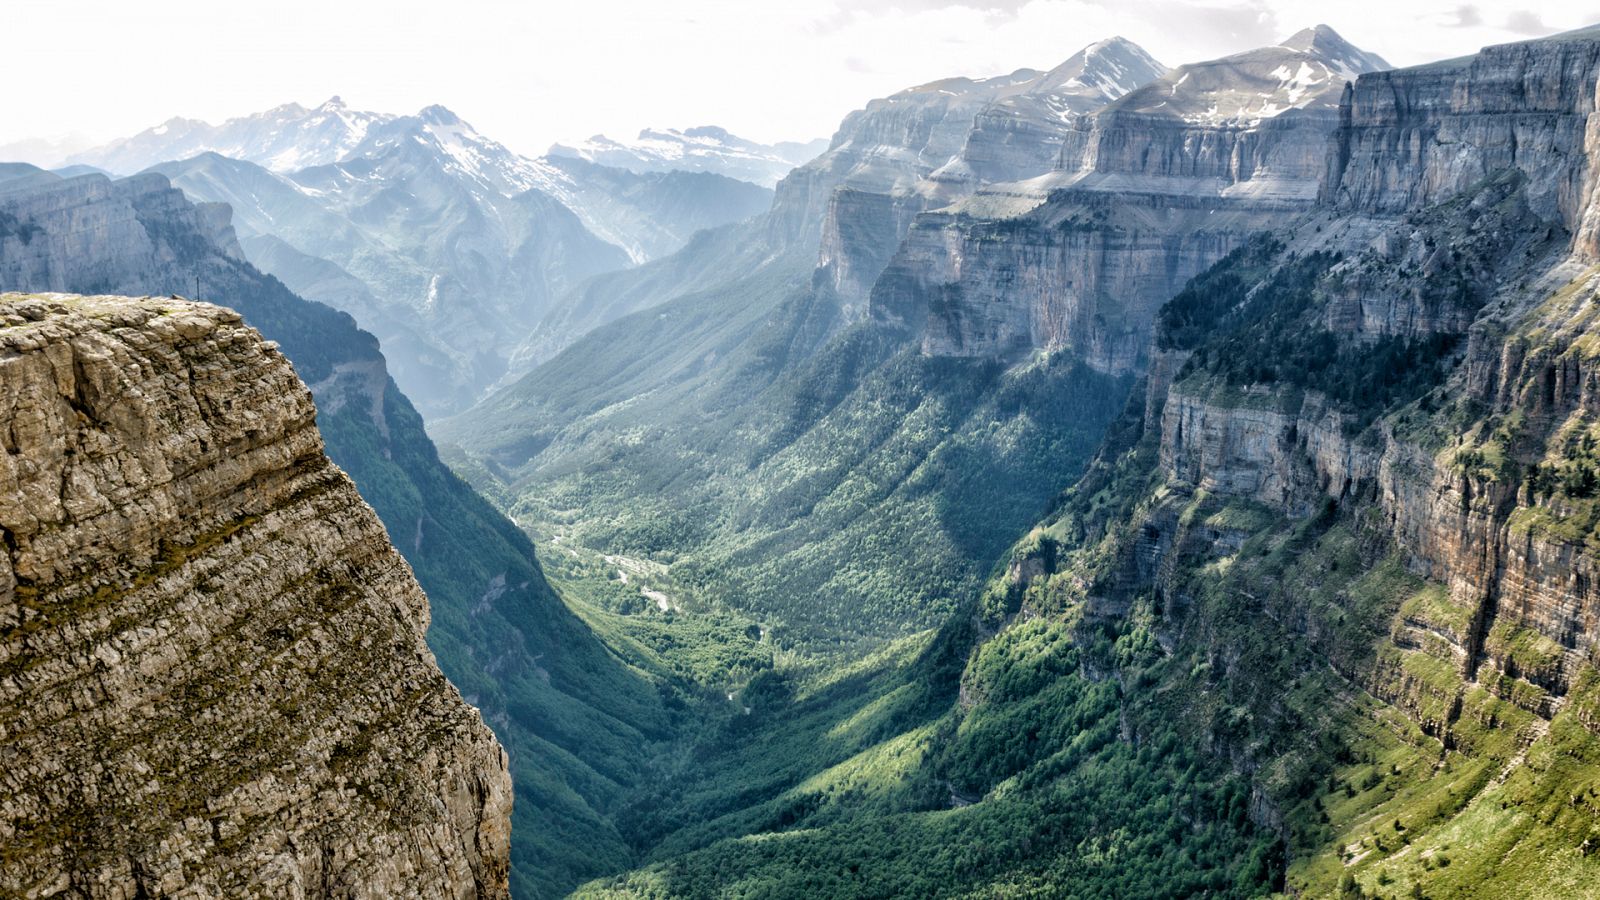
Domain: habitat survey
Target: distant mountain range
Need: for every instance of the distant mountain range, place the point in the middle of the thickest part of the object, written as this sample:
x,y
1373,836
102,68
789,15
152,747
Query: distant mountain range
x,y
472,263
703,149
445,243
283,138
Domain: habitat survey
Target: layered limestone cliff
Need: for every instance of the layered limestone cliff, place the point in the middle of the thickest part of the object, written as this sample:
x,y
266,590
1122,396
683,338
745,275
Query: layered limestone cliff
x,y
1480,168
213,679
140,235
1415,137
499,631
1150,191
87,230
1084,275
855,201
1252,124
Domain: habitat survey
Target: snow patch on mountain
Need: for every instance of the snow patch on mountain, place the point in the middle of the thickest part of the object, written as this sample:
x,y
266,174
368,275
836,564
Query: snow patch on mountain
x,y
706,148
1309,70
284,139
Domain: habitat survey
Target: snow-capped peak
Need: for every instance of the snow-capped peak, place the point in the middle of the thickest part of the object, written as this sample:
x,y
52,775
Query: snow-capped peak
x,y
284,138
445,139
1323,42
1101,72
1308,70
441,116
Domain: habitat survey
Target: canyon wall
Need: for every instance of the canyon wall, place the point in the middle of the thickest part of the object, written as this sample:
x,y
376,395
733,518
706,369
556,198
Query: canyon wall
x,y
1084,274
1472,173
1415,137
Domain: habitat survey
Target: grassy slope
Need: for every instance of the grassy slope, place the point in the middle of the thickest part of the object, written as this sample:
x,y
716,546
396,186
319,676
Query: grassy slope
x,y
865,778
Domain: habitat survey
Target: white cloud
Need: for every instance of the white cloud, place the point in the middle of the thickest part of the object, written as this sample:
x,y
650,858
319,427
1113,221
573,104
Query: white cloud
x,y
1524,22
529,73
1466,17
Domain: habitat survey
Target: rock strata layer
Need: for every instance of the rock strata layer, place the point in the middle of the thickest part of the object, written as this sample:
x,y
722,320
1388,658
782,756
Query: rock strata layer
x,y
213,679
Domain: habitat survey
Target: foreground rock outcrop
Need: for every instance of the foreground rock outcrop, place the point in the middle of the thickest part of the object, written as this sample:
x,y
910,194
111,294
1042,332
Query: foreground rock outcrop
x,y
213,680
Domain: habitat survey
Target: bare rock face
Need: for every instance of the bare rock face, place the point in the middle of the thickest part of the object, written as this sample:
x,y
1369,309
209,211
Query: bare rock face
x,y
1022,135
88,230
1254,123
1418,136
213,680
1084,275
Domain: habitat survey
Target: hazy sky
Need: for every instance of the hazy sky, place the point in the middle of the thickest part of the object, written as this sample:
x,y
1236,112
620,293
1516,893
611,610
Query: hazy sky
x,y
528,73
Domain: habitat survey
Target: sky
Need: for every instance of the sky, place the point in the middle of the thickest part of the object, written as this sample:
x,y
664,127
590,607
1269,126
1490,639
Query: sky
x,y
529,73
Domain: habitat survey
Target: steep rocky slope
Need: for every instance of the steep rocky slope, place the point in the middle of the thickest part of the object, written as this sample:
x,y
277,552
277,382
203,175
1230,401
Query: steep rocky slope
x,y
1022,135
215,680
569,713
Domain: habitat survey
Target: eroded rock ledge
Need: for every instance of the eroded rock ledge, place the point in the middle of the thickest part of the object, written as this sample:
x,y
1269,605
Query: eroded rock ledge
x,y
213,679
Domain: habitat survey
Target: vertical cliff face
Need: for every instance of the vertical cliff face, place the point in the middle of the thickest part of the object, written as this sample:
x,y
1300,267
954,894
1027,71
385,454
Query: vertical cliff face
x,y
1418,136
1255,123
1361,514
86,231
1476,176
887,148
856,200
1154,188
1415,137
1084,275
860,234
213,676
